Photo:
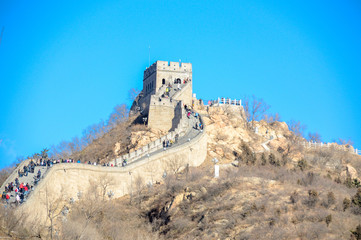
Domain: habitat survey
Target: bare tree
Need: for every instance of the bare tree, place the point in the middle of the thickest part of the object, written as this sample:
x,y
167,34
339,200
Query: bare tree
x,y
85,212
120,114
54,207
75,145
133,93
314,137
4,174
93,132
342,141
270,118
175,163
64,149
9,220
104,182
101,185
297,128
254,108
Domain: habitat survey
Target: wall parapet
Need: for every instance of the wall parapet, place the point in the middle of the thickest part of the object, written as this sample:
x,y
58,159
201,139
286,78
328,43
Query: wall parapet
x,y
346,148
167,66
180,130
226,101
77,176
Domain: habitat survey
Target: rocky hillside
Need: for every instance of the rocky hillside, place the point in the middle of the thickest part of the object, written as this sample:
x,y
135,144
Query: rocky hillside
x,y
270,187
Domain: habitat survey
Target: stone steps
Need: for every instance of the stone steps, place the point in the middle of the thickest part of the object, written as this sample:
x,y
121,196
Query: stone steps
x,y
24,179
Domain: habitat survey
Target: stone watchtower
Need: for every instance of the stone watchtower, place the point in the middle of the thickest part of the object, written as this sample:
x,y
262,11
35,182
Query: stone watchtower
x,y
167,86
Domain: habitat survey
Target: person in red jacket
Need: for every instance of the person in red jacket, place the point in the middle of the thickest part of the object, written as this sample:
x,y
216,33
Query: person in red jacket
x,y
7,198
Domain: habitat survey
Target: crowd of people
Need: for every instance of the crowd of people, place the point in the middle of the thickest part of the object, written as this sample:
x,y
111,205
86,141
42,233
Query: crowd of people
x,y
189,112
20,189
176,86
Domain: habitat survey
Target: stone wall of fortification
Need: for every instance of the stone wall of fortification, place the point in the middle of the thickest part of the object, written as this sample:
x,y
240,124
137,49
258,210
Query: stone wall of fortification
x,y
165,114
149,84
163,72
65,181
161,114
185,95
178,114
171,71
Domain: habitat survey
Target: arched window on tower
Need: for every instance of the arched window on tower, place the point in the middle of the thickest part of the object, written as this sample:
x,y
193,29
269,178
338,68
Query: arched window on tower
x,y
163,81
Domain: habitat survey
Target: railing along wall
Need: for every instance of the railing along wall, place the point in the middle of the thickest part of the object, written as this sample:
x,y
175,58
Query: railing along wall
x,y
226,101
155,145
330,145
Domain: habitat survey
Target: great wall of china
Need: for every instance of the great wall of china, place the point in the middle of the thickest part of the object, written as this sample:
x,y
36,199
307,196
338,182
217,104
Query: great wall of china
x,y
65,181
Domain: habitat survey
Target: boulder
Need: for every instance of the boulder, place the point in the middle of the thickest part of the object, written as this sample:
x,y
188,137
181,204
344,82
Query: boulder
x,y
349,171
219,151
177,200
117,149
203,190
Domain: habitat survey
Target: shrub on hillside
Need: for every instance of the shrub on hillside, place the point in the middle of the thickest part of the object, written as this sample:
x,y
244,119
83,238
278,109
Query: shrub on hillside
x,y
307,180
356,200
338,180
348,182
346,203
173,185
284,160
263,159
328,219
195,175
248,155
356,235
273,160
312,199
330,200
302,164
356,183
294,197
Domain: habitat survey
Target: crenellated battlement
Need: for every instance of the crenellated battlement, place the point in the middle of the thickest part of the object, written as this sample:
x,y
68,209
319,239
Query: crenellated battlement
x,y
167,66
174,66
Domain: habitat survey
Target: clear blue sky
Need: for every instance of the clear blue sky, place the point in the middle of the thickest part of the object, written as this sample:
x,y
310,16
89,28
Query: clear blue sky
x,y
65,64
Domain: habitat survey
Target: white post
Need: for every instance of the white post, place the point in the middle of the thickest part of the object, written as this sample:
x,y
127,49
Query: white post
x,y
216,171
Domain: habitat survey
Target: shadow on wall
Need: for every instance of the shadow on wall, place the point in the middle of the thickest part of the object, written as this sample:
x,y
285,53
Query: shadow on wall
x,y
140,120
177,116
